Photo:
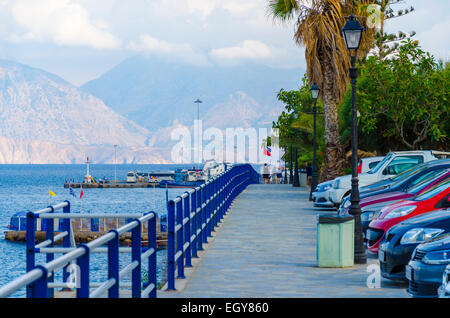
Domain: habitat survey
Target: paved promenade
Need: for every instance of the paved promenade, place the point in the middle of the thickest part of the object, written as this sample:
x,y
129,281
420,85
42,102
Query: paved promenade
x,y
267,248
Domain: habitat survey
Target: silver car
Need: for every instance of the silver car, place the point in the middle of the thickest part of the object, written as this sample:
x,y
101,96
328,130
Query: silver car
x,y
320,195
444,290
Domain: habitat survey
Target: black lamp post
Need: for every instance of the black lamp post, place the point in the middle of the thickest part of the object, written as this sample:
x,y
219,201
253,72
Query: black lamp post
x,y
315,90
352,32
291,169
285,167
296,182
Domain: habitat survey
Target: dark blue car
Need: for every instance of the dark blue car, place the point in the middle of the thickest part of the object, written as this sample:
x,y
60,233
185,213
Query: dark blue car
x,y
397,246
427,266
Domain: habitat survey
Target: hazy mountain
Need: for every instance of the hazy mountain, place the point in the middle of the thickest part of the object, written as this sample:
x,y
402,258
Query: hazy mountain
x,y
156,93
44,119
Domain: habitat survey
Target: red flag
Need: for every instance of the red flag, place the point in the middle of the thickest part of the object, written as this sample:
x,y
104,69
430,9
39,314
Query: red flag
x,y
81,194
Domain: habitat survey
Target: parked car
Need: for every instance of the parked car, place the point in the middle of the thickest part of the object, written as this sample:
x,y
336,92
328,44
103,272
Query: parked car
x,y
371,205
433,199
320,195
402,182
427,265
367,164
393,164
444,290
397,246
382,184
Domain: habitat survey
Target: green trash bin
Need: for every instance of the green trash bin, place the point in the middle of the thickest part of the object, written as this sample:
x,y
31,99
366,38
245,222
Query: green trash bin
x,y
335,240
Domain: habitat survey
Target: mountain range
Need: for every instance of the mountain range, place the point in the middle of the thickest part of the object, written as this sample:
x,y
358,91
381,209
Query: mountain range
x,y
135,105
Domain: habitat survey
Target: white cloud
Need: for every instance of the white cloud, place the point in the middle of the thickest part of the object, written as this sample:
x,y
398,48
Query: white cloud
x,y
248,49
62,22
185,51
237,8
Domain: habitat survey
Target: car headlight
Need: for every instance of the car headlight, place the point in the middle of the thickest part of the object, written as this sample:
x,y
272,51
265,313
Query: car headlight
x,y
401,211
326,187
437,258
419,235
367,216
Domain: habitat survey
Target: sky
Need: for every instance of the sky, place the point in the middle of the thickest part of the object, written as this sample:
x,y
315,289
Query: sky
x,y
79,40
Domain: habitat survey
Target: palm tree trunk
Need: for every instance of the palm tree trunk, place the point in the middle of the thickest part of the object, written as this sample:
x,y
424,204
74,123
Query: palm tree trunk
x,y
333,154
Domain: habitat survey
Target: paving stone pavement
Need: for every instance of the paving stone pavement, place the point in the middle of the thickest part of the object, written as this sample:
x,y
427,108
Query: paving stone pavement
x,y
266,247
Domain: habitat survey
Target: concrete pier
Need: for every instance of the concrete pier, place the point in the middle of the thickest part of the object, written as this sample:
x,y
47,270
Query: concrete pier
x,y
266,247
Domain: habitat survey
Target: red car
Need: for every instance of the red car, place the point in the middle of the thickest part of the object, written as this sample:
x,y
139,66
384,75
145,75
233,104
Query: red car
x,y
381,200
419,188
430,200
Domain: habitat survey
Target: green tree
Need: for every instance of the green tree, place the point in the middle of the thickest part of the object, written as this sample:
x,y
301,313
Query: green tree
x,y
298,131
406,98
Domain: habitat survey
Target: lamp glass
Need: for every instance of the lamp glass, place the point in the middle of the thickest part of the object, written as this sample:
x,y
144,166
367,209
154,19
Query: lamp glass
x,y
352,39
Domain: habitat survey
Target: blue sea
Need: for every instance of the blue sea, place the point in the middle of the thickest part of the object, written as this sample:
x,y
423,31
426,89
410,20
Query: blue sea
x,y
26,187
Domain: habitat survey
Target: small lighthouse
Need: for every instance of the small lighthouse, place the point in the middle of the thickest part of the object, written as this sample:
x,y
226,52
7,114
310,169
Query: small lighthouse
x,y
87,177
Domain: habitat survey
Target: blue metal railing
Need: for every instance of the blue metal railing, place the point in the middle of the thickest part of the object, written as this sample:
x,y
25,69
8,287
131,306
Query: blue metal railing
x,y
191,219
194,215
39,279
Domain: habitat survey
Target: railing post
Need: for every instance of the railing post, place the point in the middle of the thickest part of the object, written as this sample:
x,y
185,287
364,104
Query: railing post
x,y
209,209
216,202
83,265
30,242
39,288
187,229
171,245
198,197
136,282
222,196
151,231
180,240
194,223
204,215
113,264
50,235
66,239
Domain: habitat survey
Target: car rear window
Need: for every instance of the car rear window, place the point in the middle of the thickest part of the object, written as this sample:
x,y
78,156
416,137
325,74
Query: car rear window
x,y
373,164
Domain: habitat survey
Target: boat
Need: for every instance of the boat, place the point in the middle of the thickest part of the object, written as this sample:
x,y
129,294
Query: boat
x,y
191,178
183,178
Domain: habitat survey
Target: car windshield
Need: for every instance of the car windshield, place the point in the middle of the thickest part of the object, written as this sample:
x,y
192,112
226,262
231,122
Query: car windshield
x,y
434,190
428,178
409,172
380,164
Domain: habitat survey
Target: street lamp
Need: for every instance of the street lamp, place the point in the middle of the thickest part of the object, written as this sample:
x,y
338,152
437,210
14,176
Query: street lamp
x,y
296,182
198,102
315,90
352,32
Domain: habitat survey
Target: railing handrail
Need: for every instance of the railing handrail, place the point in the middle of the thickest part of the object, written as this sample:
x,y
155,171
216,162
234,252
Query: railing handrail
x,y
58,263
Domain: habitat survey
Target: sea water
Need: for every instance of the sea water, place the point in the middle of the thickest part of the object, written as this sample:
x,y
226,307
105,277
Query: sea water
x,y
26,188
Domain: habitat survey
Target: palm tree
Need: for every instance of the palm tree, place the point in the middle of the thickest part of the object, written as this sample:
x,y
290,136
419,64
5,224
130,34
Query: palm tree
x,y
318,26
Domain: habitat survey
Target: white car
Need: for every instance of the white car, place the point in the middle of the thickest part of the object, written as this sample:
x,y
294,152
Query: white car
x,y
393,164
367,164
320,195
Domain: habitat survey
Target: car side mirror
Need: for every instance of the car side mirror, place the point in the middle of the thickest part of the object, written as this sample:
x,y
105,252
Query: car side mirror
x,y
385,171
